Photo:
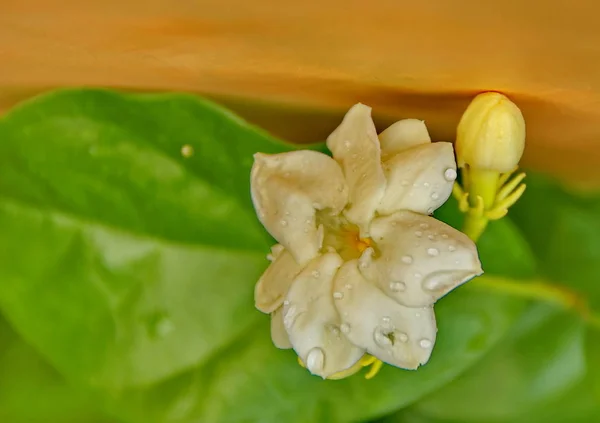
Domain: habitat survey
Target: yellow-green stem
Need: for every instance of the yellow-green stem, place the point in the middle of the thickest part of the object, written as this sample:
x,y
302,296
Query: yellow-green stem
x,y
484,184
474,226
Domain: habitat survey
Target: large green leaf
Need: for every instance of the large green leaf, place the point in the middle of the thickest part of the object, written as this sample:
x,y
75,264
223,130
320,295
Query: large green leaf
x,y
530,369
131,267
33,392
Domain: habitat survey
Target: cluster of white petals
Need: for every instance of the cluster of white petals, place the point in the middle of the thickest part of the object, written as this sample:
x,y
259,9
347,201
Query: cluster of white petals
x,y
359,261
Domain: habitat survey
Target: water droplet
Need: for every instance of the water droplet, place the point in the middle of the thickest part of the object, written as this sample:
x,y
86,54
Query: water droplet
x,y
407,259
397,286
283,223
347,144
381,339
386,320
433,251
289,317
435,195
159,324
270,257
402,337
345,328
451,248
450,174
315,273
425,184
430,210
431,237
445,236
187,151
286,302
335,331
418,276
338,295
348,286
425,343
315,360
418,234
424,225
433,284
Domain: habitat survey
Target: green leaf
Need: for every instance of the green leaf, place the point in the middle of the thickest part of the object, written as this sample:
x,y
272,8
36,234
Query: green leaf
x,y
131,267
33,392
542,360
564,230
117,252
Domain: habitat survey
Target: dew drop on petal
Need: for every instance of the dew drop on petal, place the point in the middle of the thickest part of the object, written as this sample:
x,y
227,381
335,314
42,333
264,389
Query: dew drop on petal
x,y
425,343
407,259
450,174
315,360
418,276
424,225
289,317
431,237
338,295
386,320
397,286
451,248
283,223
345,328
381,338
418,234
348,286
425,184
402,337
270,257
315,273
435,195
445,236
433,251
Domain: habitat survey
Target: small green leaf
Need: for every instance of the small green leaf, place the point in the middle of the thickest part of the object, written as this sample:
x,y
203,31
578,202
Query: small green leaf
x,y
564,231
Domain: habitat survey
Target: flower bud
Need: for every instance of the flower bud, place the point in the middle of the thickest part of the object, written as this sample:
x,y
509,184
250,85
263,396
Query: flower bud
x,y
491,134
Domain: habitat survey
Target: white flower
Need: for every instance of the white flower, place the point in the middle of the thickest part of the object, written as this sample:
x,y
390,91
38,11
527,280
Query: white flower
x,y
359,262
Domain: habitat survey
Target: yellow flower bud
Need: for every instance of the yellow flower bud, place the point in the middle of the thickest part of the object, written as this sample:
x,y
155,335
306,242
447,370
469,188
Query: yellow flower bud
x,y
491,134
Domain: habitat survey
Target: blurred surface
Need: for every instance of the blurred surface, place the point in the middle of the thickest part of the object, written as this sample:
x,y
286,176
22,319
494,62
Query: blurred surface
x,y
296,69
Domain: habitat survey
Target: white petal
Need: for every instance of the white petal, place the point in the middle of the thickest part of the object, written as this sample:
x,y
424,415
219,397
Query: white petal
x,y
421,259
419,179
355,146
401,336
273,285
403,135
286,190
313,322
279,335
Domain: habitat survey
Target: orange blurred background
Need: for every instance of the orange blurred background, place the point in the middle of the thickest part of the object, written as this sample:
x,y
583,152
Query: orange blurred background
x,y
295,67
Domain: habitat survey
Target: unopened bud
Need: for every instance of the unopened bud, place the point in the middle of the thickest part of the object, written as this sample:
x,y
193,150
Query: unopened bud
x,y
491,134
